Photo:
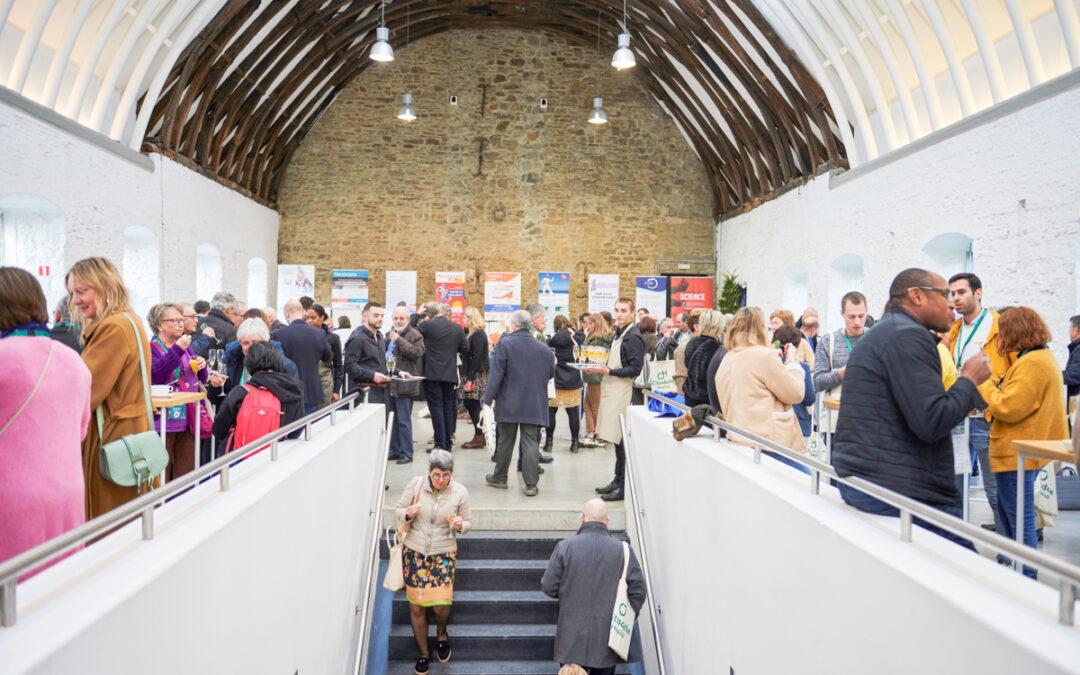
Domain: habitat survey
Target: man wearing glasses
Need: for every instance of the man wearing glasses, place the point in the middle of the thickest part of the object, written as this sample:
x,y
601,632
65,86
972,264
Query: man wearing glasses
x,y
898,418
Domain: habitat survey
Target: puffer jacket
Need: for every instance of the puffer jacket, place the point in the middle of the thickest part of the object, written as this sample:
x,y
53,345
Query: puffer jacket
x,y
699,353
897,418
430,532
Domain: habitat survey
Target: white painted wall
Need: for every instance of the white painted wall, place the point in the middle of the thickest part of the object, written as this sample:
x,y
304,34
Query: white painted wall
x,y
264,578
101,193
753,572
1010,184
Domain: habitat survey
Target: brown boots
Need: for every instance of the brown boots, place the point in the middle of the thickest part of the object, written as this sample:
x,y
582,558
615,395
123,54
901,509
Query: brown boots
x,y
478,441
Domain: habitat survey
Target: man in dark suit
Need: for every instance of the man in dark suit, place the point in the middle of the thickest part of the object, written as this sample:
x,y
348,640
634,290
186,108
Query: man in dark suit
x,y
306,346
443,341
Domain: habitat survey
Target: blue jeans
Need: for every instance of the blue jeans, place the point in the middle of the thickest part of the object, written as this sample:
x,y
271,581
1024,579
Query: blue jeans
x,y
1006,496
401,442
440,400
310,408
979,445
868,504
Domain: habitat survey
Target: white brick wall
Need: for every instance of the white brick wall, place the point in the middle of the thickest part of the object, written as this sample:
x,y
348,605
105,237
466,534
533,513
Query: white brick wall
x,y
101,193
1012,184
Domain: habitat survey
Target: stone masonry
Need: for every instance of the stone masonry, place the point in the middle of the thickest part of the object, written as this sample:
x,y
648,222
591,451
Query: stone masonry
x,y
495,183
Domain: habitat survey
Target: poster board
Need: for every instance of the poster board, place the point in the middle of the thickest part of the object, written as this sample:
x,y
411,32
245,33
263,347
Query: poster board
x,y
450,289
603,292
348,294
553,292
691,293
651,293
400,287
502,297
294,281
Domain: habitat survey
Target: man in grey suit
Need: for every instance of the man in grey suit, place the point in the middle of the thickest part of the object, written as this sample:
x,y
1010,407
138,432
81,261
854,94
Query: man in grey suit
x,y
517,383
583,575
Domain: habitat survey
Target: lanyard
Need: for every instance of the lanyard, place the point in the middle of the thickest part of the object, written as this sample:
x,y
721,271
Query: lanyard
x,y
850,347
961,348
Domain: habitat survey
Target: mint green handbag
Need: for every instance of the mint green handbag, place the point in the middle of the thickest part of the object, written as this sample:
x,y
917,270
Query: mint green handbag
x,y
135,459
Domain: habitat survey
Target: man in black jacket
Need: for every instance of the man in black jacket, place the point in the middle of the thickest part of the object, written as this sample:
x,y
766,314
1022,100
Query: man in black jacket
x,y
443,341
365,354
226,313
898,418
306,346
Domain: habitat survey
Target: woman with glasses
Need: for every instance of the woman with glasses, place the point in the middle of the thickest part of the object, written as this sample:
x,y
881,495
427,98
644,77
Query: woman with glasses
x,y
436,509
173,362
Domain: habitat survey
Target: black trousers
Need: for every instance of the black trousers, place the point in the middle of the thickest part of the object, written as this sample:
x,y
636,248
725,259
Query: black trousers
x,y
473,406
620,463
440,398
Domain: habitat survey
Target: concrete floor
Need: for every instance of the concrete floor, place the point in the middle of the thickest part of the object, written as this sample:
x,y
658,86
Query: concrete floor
x,y
565,486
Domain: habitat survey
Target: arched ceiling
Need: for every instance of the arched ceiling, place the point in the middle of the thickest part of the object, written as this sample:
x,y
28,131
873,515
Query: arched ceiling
x,y
767,92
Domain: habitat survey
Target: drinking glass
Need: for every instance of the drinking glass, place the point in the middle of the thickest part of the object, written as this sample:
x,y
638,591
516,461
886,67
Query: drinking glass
x,y
391,362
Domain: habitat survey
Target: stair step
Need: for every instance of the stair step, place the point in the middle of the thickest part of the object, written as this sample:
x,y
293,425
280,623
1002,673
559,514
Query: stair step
x,y
456,667
499,575
510,545
526,642
479,607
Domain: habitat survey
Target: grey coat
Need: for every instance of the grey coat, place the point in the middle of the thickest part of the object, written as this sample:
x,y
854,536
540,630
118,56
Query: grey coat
x,y
521,366
583,575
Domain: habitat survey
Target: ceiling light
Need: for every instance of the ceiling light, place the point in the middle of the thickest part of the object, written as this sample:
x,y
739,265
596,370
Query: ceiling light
x,y
598,116
624,56
406,114
381,50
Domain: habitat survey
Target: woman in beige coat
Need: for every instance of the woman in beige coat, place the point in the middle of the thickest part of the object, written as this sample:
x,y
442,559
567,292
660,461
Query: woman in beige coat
x,y
437,510
755,388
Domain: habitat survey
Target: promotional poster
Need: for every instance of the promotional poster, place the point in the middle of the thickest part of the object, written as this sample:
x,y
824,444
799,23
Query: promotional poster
x,y
690,293
603,292
400,287
651,293
450,290
553,292
294,281
348,294
502,297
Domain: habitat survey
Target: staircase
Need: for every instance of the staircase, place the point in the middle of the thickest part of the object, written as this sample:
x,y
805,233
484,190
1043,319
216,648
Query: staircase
x,y
501,623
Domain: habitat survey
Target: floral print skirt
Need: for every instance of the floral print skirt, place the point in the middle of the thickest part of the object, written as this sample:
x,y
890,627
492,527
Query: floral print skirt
x,y
429,579
477,393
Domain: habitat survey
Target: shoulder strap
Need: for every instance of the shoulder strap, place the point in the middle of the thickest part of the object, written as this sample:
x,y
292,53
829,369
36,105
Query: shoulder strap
x,y
625,559
34,391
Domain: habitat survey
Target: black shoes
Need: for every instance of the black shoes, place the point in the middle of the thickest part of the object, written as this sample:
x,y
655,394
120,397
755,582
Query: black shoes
x,y
404,460
544,459
615,495
574,446
531,491
607,488
442,650
549,444
494,482
422,665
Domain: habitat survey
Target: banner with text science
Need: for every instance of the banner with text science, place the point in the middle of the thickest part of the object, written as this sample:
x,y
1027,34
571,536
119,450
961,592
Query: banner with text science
x,y
553,292
651,293
348,294
603,292
450,290
689,293
294,281
400,287
502,297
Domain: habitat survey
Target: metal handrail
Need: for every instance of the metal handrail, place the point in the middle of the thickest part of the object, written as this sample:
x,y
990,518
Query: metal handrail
x,y
11,570
360,662
639,532
909,508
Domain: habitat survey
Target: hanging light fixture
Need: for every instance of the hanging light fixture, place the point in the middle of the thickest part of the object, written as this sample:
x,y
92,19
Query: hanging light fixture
x,y
624,56
406,114
598,116
381,50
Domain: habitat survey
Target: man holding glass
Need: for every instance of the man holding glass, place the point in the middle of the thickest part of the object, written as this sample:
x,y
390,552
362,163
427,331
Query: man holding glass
x,y
405,353
365,354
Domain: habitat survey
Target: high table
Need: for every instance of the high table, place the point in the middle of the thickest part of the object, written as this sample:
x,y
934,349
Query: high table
x,y
162,403
1052,450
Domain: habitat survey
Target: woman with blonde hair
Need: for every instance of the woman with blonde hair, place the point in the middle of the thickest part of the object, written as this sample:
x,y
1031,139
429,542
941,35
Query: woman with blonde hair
x,y
476,373
784,317
757,386
598,336
699,352
113,340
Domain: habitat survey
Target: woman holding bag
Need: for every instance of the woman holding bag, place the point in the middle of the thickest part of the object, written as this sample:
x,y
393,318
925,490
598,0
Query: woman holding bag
x,y
111,349
568,383
435,509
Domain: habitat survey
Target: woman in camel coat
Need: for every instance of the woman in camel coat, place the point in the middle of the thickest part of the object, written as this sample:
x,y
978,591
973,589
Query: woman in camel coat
x,y
111,352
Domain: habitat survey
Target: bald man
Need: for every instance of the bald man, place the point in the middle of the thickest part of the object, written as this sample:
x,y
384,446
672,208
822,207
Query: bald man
x,y
583,575
306,346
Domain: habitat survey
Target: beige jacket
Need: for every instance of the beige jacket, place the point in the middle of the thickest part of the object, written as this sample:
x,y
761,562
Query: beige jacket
x,y
430,532
756,392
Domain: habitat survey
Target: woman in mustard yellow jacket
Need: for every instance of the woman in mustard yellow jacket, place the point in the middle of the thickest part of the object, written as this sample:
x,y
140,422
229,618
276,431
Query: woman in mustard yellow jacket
x,y
1028,403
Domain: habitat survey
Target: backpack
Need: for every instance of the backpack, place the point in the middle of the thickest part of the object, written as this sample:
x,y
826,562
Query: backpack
x,y
259,414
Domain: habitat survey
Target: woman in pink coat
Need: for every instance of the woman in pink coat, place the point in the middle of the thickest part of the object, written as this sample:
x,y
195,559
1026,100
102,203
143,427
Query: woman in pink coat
x,y
44,413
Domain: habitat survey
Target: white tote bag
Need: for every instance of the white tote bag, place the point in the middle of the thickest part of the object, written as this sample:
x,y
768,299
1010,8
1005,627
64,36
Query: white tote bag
x,y
395,566
662,376
622,614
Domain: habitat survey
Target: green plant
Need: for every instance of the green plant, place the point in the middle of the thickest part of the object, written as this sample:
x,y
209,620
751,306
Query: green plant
x,y
730,294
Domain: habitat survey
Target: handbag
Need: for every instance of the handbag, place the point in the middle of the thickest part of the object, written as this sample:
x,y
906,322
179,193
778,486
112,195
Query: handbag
x,y
622,614
135,459
394,580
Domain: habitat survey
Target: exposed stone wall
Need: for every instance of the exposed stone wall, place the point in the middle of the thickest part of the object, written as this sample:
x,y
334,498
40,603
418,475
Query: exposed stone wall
x,y
368,191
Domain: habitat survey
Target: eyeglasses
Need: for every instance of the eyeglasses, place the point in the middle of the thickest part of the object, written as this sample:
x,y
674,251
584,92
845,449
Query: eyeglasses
x,y
440,476
943,292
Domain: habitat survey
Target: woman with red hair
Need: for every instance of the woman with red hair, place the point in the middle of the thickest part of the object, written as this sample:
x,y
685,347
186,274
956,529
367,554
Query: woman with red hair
x,y
1028,403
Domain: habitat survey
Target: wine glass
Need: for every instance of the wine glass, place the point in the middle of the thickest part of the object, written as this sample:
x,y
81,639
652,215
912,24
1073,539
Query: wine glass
x,y
391,362
577,354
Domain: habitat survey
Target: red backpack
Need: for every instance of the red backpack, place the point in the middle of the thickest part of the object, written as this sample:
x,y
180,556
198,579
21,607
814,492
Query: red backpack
x,y
259,414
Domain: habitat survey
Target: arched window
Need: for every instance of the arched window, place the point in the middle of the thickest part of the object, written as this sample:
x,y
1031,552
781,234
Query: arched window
x,y
845,275
141,268
256,283
950,253
32,237
207,271
795,293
